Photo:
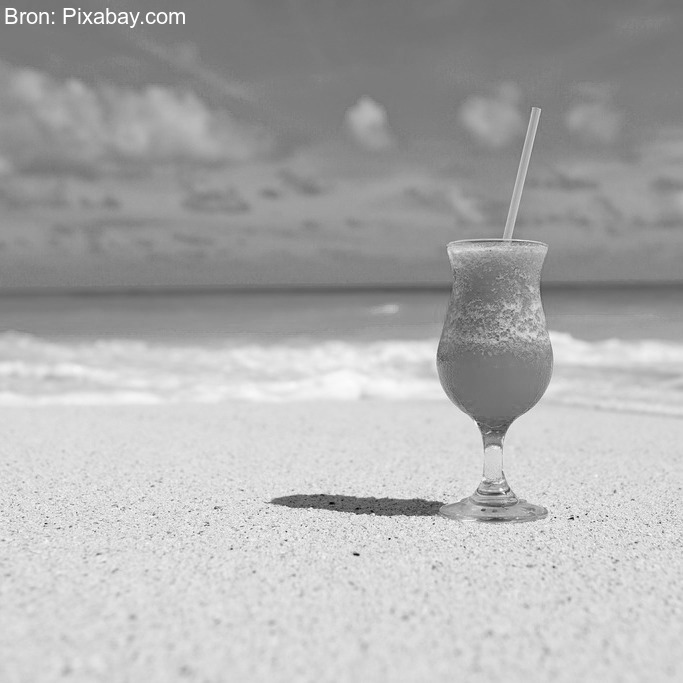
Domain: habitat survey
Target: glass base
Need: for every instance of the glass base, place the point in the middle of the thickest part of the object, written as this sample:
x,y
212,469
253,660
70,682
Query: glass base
x,y
469,510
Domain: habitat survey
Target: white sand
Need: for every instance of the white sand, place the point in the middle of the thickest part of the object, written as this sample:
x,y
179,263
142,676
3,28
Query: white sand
x,y
139,544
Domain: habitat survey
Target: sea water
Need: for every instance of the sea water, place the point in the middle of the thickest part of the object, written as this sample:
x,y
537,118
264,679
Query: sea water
x,y
618,347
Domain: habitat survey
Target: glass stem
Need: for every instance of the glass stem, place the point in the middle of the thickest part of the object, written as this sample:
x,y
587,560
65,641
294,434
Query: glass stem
x,y
494,489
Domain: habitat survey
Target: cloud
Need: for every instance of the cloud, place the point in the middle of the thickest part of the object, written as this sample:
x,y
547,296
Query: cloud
x,y
22,194
302,184
465,207
311,226
214,200
666,185
595,119
494,121
564,182
185,58
669,221
193,240
55,127
604,211
270,193
669,201
665,148
6,168
638,24
108,203
104,235
447,199
368,124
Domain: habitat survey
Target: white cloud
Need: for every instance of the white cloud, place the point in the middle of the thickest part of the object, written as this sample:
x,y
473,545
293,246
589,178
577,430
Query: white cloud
x,y
495,121
185,58
216,200
464,206
637,24
444,197
302,184
5,166
595,119
666,147
58,127
367,122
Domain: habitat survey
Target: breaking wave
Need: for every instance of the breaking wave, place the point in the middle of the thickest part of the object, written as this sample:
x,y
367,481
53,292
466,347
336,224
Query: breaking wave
x,y
644,375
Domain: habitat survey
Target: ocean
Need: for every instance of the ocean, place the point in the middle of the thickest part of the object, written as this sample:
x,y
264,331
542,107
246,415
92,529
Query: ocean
x,y
617,348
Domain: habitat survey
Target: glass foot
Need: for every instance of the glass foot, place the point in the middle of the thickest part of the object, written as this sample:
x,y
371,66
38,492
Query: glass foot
x,y
468,510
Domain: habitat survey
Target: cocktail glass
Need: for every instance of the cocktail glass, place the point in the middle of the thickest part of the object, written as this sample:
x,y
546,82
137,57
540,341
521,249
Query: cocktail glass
x,y
495,359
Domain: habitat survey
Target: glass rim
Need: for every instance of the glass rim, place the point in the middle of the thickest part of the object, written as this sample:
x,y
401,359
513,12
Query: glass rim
x,y
495,240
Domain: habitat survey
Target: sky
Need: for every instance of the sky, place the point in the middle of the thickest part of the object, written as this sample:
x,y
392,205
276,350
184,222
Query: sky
x,y
338,142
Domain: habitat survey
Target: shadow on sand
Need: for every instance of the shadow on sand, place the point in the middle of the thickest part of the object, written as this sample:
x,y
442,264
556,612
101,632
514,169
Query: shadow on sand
x,y
388,507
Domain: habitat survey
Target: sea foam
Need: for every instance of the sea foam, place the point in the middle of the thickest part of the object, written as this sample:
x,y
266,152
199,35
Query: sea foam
x,y
644,375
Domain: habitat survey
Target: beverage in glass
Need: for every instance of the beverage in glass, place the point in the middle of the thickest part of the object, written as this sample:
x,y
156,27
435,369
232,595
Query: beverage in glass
x,y
495,359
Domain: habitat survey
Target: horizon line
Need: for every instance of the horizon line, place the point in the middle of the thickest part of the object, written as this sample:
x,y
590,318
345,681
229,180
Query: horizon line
x,y
310,289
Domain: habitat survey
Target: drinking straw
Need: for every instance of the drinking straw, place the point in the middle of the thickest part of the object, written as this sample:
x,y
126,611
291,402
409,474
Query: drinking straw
x,y
521,173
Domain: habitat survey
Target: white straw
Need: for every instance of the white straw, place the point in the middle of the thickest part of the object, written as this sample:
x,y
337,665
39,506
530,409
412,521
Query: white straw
x,y
521,172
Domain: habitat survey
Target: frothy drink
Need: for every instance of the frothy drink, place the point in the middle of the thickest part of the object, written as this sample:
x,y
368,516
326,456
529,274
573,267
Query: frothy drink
x,y
494,357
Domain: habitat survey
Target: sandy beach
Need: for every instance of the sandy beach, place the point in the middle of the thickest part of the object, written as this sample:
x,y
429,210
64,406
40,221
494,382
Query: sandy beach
x,y
300,543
